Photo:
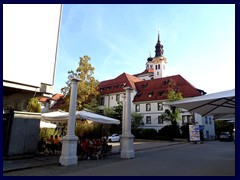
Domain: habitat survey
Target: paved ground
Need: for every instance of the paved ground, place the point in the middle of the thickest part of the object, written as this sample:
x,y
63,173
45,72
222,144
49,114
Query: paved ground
x,y
152,159
20,164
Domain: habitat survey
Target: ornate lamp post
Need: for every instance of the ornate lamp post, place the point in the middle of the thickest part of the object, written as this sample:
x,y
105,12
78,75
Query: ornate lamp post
x,y
69,146
127,150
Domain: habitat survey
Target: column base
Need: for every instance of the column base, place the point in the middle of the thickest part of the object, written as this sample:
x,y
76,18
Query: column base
x,y
127,150
69,151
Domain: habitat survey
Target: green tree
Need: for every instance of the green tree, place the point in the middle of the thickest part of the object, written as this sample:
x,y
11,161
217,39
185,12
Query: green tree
x,y
173,94
223,126
87,93
136,120
33,105
116,113
109,112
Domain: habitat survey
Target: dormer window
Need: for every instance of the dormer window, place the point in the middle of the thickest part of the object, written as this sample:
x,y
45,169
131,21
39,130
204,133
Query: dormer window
x,y
150,94
144,85
138,95
166,82
160,93
124,84
116,86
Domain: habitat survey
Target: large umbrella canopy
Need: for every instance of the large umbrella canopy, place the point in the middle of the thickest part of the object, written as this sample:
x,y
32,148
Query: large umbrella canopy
x,y
62,117
44,124
221,104
96,117
55,117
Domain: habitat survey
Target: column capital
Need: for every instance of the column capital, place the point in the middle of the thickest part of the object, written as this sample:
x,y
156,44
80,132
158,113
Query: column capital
x,y
128,88
73,78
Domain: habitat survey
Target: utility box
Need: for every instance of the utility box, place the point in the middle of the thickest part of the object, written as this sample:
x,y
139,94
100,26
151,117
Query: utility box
x,y
21,133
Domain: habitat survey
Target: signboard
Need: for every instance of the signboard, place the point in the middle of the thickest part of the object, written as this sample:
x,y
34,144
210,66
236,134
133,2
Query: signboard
x,y
194,132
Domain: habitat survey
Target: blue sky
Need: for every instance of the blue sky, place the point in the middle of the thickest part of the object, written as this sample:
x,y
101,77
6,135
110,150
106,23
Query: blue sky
x,y
198,40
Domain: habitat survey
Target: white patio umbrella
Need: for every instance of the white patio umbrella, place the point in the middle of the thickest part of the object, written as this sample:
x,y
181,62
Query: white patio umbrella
x,y
221,104
56,116
44,124
62,117
96,117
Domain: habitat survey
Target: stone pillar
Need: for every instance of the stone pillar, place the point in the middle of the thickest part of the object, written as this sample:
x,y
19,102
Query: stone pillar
x,y
127,150
123,117
69,146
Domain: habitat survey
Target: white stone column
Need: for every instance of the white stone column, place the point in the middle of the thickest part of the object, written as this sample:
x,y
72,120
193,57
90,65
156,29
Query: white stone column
x,y
123,117
127,150
69,146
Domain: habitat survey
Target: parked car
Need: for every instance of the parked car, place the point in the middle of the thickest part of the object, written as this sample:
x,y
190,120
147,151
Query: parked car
x,y
225,136
114,138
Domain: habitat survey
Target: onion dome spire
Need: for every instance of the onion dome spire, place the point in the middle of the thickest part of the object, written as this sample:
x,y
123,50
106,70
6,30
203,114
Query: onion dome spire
x,y
158,48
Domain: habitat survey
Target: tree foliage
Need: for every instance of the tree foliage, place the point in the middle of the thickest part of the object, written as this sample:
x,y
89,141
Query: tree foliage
x,y
173,94
33,105
136,120
170,131
116,113
223,126
91,130
87,93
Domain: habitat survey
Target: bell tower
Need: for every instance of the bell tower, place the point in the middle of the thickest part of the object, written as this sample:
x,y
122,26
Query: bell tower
x,y
159,61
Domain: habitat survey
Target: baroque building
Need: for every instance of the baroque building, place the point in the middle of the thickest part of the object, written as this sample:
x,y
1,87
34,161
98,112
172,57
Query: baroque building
x,y
149,93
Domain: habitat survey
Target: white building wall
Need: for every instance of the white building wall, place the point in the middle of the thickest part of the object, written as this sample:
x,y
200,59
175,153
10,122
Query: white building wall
x,y
153,113
145,77
209,129
208,124
154,121
110,100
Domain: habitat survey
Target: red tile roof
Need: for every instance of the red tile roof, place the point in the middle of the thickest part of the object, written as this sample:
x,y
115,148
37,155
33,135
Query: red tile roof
x,y
145,72
58,104
156,89
57,97
43,99
116,85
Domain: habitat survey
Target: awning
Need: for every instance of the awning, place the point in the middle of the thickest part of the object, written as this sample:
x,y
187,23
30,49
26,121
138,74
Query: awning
x,y
219,105
62,117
